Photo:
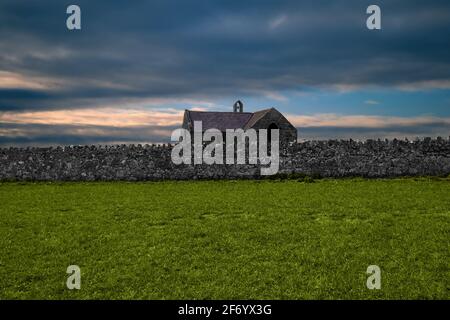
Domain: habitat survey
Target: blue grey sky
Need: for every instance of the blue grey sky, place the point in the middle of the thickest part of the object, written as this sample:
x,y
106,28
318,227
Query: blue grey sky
x,y
132,69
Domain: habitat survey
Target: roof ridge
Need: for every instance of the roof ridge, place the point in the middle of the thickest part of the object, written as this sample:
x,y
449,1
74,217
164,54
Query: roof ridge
x,y
218,111
254,113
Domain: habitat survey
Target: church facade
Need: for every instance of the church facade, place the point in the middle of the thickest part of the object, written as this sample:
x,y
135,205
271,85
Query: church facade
x,y
238,119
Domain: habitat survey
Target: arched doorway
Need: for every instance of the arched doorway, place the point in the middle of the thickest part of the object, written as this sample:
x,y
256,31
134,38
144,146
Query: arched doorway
x,y
269,137
269,132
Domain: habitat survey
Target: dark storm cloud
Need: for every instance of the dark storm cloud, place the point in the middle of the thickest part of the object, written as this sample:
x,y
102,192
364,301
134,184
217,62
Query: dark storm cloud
x,y
144,49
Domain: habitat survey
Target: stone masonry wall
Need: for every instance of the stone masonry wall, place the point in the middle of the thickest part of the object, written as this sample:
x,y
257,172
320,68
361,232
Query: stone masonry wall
x,y
427,157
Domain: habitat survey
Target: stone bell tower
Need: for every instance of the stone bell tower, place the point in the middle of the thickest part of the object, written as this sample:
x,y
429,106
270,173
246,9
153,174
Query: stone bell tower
x,y
238,106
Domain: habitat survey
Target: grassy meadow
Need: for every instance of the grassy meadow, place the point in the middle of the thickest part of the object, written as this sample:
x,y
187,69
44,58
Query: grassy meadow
x,y
226,239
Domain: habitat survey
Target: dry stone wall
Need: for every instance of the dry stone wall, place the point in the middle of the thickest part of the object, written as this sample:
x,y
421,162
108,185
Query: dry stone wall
x,y
333,158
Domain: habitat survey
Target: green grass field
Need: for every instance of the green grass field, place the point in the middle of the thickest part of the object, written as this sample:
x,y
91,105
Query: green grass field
x,y
226,239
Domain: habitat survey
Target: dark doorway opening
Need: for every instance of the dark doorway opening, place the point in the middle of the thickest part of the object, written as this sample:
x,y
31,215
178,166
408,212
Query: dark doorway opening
x,y
269,133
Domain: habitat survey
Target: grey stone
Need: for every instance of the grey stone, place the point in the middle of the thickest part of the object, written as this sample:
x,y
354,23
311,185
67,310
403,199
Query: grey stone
x,y
373,158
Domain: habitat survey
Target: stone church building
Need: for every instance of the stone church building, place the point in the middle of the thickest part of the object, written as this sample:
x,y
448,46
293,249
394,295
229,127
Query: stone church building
x,y
238,119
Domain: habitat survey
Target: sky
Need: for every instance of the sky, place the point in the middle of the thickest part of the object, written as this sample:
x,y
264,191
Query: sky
x,y
134,67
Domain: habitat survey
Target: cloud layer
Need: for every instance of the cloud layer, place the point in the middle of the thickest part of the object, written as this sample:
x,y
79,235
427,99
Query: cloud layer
x,y
112,126
138,64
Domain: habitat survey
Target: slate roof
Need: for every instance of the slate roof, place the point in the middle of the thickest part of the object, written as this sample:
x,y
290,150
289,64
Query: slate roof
x,y
225,120
255,117
220,120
